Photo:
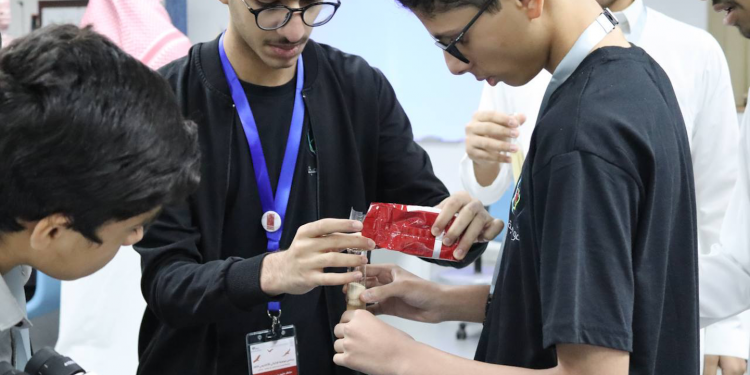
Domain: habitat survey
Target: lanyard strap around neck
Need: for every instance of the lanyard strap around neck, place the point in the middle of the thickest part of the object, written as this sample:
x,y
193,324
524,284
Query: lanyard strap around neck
x,y
21,350
275,206
594,34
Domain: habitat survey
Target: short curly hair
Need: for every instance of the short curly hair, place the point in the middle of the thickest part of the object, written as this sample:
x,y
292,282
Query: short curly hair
x,y
88,132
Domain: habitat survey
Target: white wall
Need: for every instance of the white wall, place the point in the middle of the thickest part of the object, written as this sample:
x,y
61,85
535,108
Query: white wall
x,y
206,19
21,11
693,12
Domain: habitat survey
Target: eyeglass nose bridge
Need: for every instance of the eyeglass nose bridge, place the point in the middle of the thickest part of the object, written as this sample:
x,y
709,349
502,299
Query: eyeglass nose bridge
x,y
453,51
290,15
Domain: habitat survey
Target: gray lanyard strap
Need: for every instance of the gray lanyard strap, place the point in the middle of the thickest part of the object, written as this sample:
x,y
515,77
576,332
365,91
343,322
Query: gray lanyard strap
x,y
21,347
15,280
594,34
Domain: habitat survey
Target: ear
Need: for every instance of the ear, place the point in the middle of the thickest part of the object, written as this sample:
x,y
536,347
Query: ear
x,y
47,231
533,8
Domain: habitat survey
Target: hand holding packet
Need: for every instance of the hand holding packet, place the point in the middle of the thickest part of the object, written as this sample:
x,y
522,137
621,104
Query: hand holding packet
x,y
407,229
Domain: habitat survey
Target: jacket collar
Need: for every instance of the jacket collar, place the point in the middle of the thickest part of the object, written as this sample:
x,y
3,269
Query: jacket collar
x,y
210,68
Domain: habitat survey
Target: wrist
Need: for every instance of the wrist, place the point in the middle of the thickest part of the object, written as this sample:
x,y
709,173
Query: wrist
x,y
271,274
408,357
486,173
443,299
465,303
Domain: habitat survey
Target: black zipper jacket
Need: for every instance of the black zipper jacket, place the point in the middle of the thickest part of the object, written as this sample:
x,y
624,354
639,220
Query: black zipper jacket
x,y
195,290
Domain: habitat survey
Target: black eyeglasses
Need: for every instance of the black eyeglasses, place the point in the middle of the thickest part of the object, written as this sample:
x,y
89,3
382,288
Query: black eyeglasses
x,y
277,16
451,47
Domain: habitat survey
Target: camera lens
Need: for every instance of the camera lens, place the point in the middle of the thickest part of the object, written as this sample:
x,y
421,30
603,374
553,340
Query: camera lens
x,y
49,362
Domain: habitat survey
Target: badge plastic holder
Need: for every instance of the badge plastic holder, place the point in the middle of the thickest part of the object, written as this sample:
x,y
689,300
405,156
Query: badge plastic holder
x,y
273,351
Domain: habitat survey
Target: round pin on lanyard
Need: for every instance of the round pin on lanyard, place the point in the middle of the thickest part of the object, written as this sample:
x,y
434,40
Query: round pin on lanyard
x,y
274,207
271,221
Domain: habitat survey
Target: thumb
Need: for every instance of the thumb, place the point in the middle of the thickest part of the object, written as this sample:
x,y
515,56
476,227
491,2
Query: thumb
x,y
381,293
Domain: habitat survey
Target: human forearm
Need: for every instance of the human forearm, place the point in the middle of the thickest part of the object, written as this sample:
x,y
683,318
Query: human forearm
x,y
170,288
464,303
422,359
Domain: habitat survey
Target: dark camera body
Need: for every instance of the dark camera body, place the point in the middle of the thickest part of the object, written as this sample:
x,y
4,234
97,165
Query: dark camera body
x,y
45,362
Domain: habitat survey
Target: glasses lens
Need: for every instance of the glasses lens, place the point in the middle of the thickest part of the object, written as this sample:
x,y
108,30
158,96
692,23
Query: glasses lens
x,y
319,14
272,18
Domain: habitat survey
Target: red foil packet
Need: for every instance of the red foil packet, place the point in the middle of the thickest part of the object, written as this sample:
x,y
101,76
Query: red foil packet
x,y
407,229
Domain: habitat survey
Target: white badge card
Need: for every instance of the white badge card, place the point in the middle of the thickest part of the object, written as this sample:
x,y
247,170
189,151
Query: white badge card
x,y
270,354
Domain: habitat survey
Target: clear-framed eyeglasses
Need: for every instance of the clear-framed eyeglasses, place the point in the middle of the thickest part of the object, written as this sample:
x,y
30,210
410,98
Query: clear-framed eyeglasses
x,y
277,16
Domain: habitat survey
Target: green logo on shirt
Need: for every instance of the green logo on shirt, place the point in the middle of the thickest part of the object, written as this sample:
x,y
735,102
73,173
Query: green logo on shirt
x,y
517,195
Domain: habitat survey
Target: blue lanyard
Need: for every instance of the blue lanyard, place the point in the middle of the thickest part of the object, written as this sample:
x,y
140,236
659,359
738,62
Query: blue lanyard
x,y
274,208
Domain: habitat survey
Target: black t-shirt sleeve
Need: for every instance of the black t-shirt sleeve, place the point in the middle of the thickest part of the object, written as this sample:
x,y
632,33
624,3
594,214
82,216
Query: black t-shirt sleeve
x,y
586,235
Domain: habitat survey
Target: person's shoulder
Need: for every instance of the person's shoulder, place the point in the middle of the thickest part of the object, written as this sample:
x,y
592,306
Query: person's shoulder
x,y
340,58
349,68
606,110
175,67
201,67
179,67
678,36
606,81
623,101
617,71
609,93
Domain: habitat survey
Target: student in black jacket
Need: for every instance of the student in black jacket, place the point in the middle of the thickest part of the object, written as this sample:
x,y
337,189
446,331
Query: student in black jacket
x,y
207,274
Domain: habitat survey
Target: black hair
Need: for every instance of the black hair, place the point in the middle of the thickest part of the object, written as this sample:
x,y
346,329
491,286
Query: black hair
x,y
433,7
88,132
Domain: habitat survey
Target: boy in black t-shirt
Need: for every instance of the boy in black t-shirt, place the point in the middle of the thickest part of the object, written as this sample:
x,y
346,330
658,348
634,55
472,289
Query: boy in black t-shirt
x,y
599,271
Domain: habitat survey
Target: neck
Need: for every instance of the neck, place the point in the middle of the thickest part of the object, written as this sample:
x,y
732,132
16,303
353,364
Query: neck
x,y
11,245
620,5
569,28
249,67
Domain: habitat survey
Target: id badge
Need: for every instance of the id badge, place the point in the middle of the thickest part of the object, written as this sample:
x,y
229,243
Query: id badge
x,y
270,354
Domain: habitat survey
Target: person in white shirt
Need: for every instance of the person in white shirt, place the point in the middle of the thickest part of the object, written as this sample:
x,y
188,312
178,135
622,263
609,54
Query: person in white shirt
x,y
727,291
5,22
699,73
